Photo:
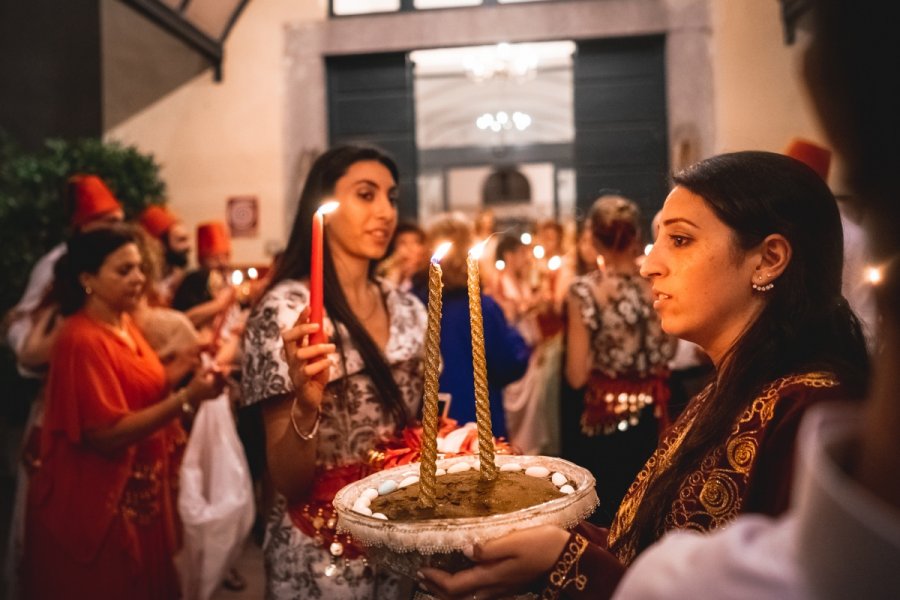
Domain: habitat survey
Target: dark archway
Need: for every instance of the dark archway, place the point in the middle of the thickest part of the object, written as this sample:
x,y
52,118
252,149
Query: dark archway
x,y
504,186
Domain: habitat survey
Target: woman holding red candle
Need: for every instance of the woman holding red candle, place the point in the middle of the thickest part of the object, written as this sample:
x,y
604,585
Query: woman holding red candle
x,y
327,404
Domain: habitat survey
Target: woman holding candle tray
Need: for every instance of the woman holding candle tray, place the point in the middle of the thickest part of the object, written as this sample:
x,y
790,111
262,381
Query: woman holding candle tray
x,y
326,405
747,264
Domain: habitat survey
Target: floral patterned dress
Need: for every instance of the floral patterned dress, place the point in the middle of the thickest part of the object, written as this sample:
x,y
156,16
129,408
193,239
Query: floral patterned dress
x,y
628,349
627,386
304,556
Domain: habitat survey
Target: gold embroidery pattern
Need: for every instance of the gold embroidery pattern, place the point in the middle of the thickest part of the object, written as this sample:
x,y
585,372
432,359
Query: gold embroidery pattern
x,y
719,494
712,495
741,452
154,479
559,576
658,462
141,497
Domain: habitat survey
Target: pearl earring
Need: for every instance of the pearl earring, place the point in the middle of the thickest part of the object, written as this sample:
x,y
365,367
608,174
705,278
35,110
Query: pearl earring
x,y
762,288
88,290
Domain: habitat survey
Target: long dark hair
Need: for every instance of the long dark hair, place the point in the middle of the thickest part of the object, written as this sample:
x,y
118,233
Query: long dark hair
x,y
85,253
294,264
805,325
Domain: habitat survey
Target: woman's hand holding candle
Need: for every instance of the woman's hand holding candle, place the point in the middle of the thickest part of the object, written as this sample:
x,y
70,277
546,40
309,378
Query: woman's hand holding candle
x,y
308,364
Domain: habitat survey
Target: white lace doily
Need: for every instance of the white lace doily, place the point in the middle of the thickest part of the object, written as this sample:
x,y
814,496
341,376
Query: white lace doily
x,y
406,546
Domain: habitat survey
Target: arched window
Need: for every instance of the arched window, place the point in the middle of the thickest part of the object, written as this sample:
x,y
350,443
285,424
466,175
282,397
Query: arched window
x,y
506,185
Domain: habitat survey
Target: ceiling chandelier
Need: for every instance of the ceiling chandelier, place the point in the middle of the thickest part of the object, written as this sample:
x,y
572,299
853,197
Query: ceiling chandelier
x,y
503,121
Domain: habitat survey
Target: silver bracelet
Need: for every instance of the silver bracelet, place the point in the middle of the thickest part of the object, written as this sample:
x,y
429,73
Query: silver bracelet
x,y
315,428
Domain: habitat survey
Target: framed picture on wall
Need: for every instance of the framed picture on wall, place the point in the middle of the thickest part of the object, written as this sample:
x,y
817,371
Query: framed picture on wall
x,y
242,214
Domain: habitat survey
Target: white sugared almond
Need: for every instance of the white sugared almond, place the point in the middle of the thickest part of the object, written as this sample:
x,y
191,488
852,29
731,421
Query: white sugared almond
x,y
459,467
409,480
567,489
511,467
537,471
363,510
440,472
381,516
559,479
370,493
364,501
387,487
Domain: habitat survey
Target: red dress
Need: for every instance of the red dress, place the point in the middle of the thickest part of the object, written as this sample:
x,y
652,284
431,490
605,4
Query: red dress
x,y
102,525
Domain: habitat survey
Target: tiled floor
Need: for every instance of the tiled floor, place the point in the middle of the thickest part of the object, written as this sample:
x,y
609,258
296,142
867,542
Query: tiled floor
x,y
250,566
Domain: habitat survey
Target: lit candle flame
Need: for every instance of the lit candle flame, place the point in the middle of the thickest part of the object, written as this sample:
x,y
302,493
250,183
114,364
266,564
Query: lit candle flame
x,y
647,249
441,252
477,250
252,273
526,238
538,252
328,207
500,265
873,275
554,263
237,277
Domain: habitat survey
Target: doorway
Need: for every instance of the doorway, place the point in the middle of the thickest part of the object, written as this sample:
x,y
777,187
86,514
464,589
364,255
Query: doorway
x,y
574,118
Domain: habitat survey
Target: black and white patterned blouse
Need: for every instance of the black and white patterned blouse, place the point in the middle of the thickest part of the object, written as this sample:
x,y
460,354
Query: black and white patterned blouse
x,y
624,331
352,416
353,422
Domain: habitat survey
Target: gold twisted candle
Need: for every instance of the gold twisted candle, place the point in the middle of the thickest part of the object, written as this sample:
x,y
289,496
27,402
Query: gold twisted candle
x,y
428,466
479,367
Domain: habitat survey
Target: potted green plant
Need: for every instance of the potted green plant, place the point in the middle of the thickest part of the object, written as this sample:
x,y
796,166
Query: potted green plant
x,y
32,214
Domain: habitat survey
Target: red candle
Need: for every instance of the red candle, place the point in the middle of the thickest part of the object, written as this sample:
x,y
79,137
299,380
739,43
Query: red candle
x,y
316,298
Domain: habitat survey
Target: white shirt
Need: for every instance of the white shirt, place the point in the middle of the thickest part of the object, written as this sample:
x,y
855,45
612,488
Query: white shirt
x,y
837,541
38,284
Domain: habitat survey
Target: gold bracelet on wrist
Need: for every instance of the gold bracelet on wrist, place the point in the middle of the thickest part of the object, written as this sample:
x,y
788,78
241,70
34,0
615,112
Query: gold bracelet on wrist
x,y
315,428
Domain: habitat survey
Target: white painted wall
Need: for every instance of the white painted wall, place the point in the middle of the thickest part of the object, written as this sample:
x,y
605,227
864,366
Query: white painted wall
x,y
761,102
216,140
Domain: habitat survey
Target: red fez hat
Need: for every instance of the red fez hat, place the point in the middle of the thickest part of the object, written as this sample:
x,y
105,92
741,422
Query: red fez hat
x,y
157,220
90,199
212,239
813,155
